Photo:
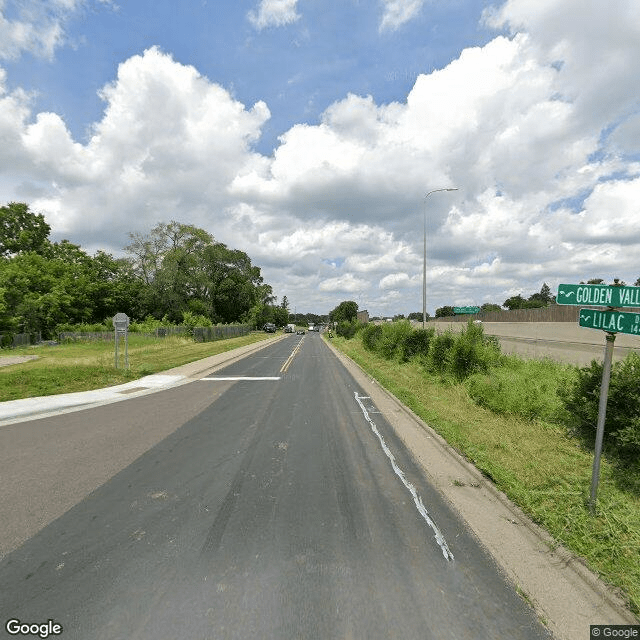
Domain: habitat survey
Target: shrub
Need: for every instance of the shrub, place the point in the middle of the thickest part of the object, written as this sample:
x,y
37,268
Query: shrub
x,y
6,340
371,336
347,329
439,353
416,343
472,352
149,324
191,321
393,337
622,423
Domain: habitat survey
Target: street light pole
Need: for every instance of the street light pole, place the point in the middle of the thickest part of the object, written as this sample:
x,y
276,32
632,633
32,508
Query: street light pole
x,y
424,258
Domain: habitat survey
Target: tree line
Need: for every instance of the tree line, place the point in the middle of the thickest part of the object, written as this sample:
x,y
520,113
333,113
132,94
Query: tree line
x,y
175,269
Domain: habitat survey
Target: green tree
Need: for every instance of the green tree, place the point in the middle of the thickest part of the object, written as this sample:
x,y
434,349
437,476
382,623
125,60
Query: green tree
x,y
21,230
543,297
346,311
444,312
489,307
185,269
514,302
43,292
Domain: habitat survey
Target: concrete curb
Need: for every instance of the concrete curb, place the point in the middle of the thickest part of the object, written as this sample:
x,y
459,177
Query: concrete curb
x,y
567,596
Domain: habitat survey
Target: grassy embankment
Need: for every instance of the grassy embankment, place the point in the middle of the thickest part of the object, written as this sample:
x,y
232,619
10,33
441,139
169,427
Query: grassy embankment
x,y
535,462
72,367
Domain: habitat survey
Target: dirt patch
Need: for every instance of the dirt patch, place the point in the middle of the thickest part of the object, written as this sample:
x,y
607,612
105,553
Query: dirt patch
x,y
5,361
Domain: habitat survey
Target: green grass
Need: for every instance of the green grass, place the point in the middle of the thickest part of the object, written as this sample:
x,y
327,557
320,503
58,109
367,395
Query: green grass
x,y
536,463
525,388
72,367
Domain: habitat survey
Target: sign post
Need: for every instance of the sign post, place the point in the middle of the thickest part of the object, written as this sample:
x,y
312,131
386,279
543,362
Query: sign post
x,y
612,321
121,326
602,414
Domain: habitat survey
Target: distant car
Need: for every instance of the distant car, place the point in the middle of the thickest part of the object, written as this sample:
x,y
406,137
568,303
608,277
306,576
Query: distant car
x,y
270,327
300,332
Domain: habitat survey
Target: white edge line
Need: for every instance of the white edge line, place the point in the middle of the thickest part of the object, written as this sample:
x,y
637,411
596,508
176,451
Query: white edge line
x,y
416,498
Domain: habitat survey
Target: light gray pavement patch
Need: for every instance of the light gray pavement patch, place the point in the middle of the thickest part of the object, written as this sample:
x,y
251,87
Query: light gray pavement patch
x,y
12,411
566,595
6,361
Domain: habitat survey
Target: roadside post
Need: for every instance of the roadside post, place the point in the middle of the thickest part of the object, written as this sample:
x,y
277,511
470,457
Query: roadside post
x,y
121,327
612,322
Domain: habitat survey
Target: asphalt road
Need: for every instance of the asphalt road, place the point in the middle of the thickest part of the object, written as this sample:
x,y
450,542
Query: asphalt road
x,y
269,508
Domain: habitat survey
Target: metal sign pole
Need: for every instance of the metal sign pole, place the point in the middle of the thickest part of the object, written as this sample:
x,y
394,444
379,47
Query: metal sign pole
x,y
602,413
117,340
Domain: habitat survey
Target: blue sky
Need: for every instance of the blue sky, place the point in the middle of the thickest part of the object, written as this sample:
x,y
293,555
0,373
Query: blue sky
x,y
307,134
334,48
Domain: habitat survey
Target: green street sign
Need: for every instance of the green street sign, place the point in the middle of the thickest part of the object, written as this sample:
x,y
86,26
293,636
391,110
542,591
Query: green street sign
x,y
461,310
598,295
611,321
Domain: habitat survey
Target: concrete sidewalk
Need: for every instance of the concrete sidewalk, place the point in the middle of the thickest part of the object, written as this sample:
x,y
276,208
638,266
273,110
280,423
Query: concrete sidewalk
x,y
12,411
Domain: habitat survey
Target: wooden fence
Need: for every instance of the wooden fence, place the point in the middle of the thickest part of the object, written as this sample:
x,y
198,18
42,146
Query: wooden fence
x,y
553,313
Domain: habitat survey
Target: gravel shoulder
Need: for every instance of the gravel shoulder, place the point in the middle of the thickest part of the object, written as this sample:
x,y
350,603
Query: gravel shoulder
x,y
5,361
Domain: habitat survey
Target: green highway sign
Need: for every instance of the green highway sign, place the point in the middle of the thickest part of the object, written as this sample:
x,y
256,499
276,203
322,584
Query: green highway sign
x,y
598,295
612,321
461,310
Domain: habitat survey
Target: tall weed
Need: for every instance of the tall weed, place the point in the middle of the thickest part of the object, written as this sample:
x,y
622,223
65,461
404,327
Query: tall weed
x,y
525,388
463,354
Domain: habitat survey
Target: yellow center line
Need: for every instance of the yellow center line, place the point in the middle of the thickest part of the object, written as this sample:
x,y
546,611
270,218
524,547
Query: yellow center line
x,y
285,366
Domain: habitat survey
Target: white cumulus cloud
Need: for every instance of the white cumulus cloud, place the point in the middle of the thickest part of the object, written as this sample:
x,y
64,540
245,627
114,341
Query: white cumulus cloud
x,y
36,26
398,12
274,13
538,129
